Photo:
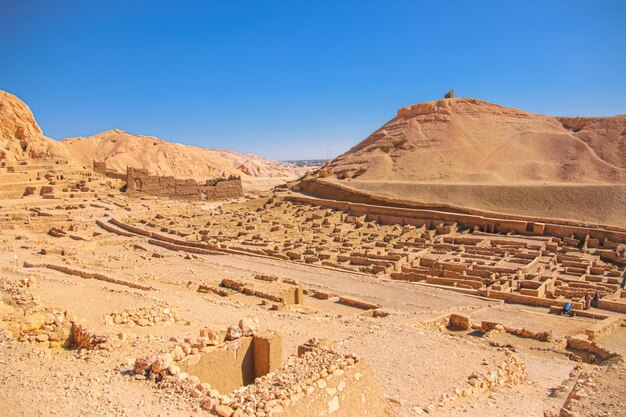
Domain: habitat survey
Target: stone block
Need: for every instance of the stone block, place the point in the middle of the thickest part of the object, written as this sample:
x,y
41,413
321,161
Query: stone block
x,y
268,351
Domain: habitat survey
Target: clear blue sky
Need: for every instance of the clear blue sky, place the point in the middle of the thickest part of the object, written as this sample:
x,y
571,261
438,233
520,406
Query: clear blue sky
x,y
295,79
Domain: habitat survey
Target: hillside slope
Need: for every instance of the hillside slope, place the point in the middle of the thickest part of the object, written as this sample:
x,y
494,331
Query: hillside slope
x,y
21,138
120,149
471,141
470,154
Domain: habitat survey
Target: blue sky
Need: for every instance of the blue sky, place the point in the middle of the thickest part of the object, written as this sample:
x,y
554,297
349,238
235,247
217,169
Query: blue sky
x,y
296,79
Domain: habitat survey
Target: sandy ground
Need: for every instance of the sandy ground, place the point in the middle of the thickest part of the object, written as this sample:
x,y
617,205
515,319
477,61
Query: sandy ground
x,y
414,362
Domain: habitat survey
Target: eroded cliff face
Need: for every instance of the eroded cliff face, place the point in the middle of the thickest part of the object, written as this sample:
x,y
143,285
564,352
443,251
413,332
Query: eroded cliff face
x,y
605,135
466,140
20,136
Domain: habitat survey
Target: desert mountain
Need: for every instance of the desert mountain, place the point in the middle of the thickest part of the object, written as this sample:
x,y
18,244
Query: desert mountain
x,y
22,138
20,135
470,155
472,141
119,149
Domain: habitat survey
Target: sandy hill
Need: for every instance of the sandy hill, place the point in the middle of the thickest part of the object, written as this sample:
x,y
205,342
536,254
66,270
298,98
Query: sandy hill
x,y
20,135
22,138
468,153
471,141
120,149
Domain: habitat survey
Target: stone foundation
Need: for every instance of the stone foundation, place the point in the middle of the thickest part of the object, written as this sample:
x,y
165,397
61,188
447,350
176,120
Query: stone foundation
x,y
144,316
319,381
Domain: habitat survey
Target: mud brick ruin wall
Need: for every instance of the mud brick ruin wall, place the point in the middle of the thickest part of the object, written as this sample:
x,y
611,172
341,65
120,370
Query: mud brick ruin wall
x,y
87,275
100,167
139,181
417,217
616,306
603,327
527,299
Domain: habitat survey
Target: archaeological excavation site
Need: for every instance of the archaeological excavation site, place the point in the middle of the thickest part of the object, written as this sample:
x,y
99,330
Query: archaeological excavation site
x,y
320,226
242,287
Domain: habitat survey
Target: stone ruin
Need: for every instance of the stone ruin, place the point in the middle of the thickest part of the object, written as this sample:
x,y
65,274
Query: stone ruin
x,y
449,94
532,269
48,179
238,372
140,181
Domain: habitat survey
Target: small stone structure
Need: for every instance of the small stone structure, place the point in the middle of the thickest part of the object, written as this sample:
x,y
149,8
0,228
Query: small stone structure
x,y
50,328
318,381
140,181
100,167
449,94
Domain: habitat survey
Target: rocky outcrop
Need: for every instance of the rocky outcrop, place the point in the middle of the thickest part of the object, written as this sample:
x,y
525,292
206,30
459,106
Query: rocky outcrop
x,y
20,136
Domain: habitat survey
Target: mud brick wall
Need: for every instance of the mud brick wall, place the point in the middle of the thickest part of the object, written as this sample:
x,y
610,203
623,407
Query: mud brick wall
x,y
87,275
527,299
416,216
138,180
603,327
612,306
590,346
100,167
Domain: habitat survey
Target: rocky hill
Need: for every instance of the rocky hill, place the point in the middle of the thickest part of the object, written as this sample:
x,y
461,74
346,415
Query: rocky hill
x,y
470,155
20,135
22,138
119,149
472,141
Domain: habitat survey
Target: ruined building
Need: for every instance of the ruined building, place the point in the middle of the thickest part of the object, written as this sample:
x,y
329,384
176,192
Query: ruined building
x,y
139,181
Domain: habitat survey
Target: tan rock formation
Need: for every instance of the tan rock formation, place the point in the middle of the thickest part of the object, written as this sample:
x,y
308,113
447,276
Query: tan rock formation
x,y
113,151
117,150
464,153
20,135
466,140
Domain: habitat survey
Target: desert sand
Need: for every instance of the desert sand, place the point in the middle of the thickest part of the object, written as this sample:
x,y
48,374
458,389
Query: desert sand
x,y
281,301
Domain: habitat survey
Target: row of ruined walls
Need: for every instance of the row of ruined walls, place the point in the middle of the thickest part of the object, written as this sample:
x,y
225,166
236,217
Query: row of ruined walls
x,y
139,180
418,217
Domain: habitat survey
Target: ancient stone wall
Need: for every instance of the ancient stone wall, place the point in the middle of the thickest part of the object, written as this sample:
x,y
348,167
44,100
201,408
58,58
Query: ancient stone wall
x,y
87,275
139,181
100,167
386,210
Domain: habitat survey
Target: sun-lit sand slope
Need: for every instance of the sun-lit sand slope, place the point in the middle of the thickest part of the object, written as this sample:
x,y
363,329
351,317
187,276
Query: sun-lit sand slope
x,y
474,154
22,138
120,149
472,141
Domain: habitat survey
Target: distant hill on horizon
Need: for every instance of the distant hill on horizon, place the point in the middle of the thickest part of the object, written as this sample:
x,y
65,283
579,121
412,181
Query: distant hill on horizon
x,y
21,138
